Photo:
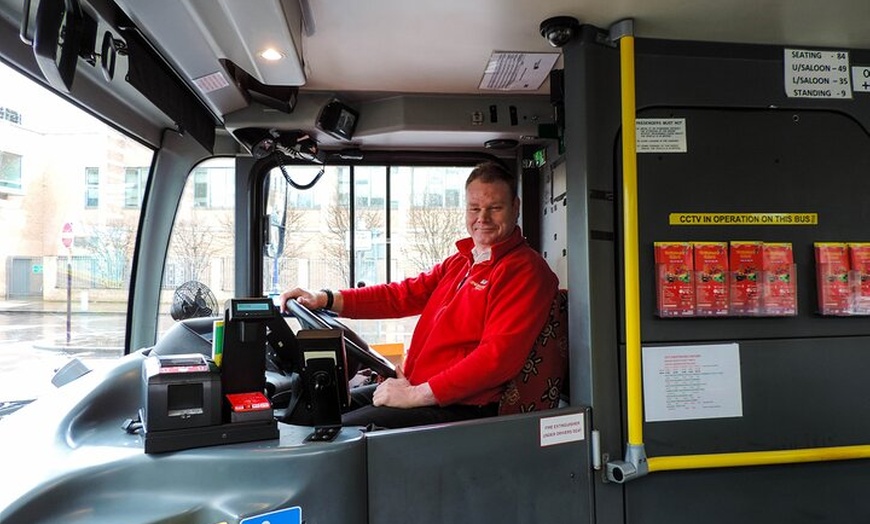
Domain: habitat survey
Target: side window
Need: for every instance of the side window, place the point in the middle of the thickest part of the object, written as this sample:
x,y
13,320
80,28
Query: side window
x,y
70,225
199,275
362,225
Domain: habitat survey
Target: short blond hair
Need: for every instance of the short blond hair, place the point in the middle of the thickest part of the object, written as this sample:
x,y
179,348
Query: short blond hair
x,y
490,172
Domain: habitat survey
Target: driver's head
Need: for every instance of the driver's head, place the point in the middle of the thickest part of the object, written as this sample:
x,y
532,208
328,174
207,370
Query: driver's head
x,y
492,206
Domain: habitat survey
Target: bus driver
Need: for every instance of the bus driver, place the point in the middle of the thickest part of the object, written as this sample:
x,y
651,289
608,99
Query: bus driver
x,y
480,312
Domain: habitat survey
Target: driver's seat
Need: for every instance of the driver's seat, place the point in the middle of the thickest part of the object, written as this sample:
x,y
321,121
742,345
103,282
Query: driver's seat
x,y
543,378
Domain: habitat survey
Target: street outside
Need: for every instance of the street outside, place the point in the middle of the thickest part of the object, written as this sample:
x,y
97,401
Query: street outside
x,y
33,345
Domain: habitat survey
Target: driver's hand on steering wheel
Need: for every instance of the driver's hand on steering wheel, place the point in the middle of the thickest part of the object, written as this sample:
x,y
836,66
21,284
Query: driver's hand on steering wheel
x,y
399,393
310,299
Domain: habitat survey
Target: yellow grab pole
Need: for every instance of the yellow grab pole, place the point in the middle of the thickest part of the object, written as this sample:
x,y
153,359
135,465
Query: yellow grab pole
x,y
630,244
635,463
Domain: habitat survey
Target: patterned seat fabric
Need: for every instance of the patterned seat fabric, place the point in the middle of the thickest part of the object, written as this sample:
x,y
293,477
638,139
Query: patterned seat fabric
x,y
542,379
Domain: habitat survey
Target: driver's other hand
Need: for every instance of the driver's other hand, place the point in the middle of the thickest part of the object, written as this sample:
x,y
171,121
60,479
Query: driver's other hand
x,y
393,392
399,393
303,296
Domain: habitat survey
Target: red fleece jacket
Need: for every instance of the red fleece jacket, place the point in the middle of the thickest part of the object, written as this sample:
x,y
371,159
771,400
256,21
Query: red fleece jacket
x,y
477,322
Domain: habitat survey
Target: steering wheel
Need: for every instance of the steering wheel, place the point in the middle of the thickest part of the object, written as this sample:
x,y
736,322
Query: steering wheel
x,y
357,349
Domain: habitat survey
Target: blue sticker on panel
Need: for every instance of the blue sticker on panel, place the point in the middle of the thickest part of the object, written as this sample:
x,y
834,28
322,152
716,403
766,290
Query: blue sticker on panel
x,y
282,516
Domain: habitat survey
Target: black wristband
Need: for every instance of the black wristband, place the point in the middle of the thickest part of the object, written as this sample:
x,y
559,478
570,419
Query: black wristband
x,y
329,298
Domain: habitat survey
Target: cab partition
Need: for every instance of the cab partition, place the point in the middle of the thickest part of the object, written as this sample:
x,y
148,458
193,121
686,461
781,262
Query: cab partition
x,y
531,467
521,467
748,410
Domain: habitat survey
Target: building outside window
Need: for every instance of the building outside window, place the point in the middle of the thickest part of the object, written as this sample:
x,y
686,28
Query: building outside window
x,y
10,115
10,171
134,186
212,187
92,187
70,210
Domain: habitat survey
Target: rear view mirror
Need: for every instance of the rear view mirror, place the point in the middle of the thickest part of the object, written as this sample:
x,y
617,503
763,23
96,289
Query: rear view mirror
x,y
61,34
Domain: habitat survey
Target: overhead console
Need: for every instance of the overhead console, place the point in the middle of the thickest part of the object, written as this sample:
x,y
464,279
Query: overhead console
x,y
404,121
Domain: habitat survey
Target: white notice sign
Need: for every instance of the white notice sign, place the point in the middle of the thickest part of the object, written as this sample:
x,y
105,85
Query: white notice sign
x,y
517,71
661,135
562,429
861,79
817,74
691,382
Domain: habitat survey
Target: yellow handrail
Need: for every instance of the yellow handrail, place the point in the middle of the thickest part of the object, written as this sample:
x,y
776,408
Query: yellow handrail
x,y
758,458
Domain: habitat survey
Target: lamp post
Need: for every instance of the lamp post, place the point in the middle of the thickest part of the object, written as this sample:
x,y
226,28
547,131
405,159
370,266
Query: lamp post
x,y
66,237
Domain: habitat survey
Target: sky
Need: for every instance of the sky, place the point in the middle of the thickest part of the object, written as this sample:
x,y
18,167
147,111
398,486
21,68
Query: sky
x,y
41,109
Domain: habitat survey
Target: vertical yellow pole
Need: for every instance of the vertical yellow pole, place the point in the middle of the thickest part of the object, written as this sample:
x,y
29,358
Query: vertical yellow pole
x,y
630,240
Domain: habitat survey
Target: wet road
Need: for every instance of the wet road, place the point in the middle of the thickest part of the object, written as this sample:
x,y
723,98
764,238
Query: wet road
x,y
33,346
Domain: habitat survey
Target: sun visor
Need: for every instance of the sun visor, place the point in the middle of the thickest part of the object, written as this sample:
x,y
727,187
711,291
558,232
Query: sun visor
x,y
156,81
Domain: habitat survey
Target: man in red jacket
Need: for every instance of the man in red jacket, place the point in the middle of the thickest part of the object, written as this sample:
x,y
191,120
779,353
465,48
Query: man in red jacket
x,y
480,312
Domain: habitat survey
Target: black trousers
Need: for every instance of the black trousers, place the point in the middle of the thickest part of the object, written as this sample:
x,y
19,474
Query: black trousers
x,y
363,413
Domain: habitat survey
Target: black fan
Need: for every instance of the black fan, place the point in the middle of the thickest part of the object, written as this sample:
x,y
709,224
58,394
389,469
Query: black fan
x,y
193,299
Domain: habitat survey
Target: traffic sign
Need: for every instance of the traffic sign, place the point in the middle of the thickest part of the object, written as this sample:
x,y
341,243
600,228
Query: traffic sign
x,y
66,236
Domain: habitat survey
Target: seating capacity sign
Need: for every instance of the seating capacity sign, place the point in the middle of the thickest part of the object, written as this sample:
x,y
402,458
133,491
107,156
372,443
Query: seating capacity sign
x,y
817,74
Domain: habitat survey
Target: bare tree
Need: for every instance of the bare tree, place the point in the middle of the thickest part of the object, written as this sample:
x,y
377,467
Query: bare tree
x,y
294,242
194,243
287,247
335,245
432,233
111,246
371,220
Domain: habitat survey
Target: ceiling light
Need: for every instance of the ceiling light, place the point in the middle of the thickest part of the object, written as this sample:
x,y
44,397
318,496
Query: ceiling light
x,y
271,54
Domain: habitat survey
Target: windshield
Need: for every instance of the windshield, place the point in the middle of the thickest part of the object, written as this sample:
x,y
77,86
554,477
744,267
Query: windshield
x,y
404,219
71,189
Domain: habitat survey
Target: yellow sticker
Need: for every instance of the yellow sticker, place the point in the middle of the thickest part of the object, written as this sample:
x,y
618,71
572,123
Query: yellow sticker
x,y
743,219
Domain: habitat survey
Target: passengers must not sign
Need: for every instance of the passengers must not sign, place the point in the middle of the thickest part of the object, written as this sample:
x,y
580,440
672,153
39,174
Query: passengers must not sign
x,y
743,219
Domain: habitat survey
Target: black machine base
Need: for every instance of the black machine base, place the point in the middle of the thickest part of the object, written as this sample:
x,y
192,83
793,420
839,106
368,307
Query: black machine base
x,y
234,433
323,434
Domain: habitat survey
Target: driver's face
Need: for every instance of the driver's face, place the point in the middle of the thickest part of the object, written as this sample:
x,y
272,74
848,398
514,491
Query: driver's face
x,y
490,213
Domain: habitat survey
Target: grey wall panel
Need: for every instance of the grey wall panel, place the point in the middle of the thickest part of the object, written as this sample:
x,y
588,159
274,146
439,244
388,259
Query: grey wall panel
x,y
591,102
823,492
796,394
492,470
750,149
755,161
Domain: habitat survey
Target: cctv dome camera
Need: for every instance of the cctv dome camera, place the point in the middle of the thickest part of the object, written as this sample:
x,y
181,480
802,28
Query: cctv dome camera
x,y
559,30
